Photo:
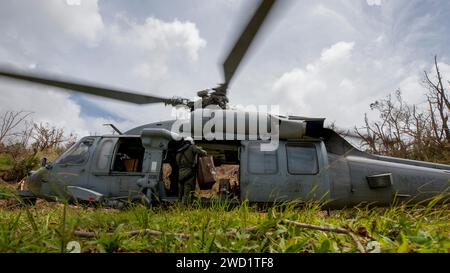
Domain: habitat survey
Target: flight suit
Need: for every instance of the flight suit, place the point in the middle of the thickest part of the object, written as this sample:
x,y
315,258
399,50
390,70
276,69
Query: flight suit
x,y
186,160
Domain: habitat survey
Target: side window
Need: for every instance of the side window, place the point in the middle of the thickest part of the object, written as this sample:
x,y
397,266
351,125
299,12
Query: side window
x,y
129,155
105,154
79,153
302,158
261,162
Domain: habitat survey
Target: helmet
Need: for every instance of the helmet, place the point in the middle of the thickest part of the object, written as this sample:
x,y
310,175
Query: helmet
x,y
189,139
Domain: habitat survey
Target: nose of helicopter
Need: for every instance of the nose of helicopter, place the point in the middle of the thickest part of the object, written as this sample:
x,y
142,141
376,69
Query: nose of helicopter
x,y
35,180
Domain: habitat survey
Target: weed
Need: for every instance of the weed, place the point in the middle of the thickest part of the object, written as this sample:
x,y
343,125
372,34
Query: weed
x,y
48,227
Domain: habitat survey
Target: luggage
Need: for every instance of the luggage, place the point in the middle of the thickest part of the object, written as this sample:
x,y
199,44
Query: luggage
x,y
131,165
205,172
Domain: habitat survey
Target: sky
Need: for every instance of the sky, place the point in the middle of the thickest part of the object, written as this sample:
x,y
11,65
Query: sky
x,y
318,58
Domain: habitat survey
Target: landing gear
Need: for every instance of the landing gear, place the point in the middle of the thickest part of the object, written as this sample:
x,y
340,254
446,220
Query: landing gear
x,y
26,198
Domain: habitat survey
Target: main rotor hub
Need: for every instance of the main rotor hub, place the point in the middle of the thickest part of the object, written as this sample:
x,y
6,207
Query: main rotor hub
x,y
215,96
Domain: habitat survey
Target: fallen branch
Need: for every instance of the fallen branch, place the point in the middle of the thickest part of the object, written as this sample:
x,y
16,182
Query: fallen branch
x,y
231,233
89,234
327,228
157,233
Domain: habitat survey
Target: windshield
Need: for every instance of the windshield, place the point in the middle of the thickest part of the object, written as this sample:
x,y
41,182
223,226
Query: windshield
x,y
78,153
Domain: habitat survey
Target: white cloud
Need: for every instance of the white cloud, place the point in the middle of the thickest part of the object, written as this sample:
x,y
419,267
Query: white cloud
x,y
150,71
341,83
56,35
48,106
339,51
48,19
149,48
158,35
385,49
374,2
321,87
326,58
412,86
82,21
444,69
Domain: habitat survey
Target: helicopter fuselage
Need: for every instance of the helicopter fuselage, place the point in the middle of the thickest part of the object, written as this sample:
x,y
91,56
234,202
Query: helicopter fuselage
x,y
132,167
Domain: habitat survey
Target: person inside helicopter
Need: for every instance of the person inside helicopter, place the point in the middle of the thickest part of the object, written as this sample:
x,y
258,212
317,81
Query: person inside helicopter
x,y
171,168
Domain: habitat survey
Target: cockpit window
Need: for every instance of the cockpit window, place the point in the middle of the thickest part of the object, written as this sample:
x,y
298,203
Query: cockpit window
x,y
78,154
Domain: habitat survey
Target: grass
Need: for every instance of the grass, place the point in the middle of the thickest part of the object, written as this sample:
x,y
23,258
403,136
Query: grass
x,y
48,227
5,162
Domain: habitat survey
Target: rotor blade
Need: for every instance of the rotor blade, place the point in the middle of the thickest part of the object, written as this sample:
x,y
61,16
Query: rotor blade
x,y
82,87
244,41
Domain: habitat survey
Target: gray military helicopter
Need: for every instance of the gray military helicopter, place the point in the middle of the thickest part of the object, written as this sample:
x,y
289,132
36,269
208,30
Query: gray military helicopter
x,y
309,162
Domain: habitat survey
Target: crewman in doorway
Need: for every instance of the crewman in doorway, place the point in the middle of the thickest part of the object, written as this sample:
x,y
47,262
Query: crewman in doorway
x,y
186,160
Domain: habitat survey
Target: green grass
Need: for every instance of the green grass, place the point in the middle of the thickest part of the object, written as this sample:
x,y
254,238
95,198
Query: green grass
x,y
7,191
5,162
48,227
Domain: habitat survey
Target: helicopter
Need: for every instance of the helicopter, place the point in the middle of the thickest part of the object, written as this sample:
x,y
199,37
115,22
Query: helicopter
x,y
272,157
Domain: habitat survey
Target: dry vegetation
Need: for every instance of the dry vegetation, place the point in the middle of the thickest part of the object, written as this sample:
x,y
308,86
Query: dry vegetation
x,y
23,143
412,131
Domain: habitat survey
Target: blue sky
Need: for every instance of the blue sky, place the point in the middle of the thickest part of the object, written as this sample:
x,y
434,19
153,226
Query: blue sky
x,y
317,58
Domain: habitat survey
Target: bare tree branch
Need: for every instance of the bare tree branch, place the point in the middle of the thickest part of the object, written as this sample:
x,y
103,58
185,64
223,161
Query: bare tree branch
x,y
407,131
9,121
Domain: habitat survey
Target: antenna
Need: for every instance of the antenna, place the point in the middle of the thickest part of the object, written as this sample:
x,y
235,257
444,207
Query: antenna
x,y
114,128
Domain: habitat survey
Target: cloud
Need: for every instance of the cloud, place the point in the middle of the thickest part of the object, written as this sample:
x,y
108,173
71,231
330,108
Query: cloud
x,y
414,90
321,58
51,23
373,2
152,46
341,83
158,35
50,107
338,52
360,55
444,69
321,87
70,39
82,21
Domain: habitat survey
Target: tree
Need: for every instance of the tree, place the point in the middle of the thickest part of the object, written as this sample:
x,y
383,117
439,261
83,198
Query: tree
x,y
46,136
9,122
408,131
439,105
